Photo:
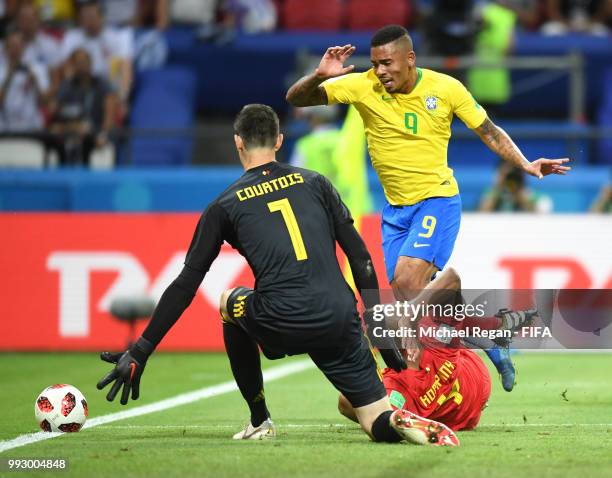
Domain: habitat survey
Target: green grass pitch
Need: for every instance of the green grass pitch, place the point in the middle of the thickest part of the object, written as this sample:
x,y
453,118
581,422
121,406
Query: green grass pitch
x,y
557,422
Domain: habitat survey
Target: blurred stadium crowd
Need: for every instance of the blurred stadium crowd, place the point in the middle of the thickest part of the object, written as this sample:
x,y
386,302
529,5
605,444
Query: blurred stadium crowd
x,y
154,82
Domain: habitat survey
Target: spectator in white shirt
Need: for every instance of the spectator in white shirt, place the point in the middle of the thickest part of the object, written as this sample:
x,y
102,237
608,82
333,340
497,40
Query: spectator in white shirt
x,y
135,19
22,88
111,51
119,13
40,47
194,12
137,13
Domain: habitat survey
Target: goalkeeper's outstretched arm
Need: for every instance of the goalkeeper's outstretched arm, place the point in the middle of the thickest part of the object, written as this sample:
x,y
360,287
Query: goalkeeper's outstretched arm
x,y
203,250
130,364
173,302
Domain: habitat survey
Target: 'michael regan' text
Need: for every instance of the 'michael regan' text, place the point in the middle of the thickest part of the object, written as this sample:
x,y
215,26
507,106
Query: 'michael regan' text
x,y
443,333
452,333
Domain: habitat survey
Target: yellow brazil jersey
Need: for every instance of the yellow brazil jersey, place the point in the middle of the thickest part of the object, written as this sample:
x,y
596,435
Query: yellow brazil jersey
x,y
408,133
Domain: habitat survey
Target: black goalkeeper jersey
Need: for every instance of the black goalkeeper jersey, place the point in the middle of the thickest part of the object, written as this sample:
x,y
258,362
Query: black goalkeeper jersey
x,y
282,219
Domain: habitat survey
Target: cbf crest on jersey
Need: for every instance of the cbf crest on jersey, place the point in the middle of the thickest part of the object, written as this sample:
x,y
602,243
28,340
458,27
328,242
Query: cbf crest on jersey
x,y
431,102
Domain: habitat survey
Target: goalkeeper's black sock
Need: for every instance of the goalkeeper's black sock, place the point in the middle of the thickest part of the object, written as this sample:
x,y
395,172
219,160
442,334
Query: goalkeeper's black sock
x,y
244,359
382,429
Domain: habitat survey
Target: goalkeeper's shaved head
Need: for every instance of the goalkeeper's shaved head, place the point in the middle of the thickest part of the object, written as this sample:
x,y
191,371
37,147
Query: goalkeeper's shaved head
x,y
390,34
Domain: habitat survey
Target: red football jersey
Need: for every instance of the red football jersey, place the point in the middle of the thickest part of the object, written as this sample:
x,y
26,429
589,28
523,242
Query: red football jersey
x,y
451,386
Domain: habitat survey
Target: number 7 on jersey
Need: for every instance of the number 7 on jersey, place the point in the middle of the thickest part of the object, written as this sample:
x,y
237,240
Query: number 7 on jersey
x,y
285,209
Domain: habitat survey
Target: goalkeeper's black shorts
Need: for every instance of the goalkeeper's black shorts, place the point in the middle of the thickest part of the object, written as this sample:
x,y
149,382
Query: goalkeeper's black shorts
x,y
350,367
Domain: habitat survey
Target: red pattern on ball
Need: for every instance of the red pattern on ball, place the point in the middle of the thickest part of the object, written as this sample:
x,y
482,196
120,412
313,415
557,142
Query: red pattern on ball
x,y
68,404
70,427
44,405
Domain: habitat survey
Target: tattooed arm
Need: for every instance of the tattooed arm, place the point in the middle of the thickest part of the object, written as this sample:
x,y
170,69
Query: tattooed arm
x,y
501,144
307,91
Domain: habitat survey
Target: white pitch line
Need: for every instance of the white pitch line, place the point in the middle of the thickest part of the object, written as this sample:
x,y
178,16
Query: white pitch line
x,y
183,399
282,425
219,427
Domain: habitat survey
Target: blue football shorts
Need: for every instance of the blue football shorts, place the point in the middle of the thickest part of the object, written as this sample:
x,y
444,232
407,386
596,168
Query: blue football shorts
x,y
426,230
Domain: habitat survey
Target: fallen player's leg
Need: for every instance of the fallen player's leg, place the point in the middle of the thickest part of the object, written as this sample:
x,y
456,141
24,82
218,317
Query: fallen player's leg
x,y
354,372
350,367
452,390
403,424
444,382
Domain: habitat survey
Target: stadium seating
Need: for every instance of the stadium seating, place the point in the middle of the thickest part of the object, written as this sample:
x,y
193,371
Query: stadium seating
x,y
604,120
21,153
278,51
368,14
102,158
312,15
165,100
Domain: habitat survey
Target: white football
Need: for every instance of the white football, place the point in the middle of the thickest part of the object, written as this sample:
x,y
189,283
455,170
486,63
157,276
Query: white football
x,y
61,408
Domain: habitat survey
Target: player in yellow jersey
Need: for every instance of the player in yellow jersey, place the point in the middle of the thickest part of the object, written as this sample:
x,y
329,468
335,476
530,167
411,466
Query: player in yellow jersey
x,y
407,113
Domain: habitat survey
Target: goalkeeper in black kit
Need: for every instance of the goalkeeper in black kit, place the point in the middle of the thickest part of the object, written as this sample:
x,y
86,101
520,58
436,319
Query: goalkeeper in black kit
x,y
285,221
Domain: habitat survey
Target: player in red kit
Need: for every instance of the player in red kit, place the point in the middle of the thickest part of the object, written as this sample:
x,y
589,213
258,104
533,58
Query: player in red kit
x,y
452,388
444,380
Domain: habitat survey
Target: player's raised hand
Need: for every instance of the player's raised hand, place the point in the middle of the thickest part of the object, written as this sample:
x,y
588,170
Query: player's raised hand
x,y
332,63
129,366
543,167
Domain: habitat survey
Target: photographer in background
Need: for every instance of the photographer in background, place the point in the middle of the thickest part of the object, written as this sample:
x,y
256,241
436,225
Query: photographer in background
x,y
509,194
82,113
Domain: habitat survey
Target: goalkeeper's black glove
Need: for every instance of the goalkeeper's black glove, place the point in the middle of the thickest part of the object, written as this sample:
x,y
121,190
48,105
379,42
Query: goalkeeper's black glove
x,y
386,345
129,366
